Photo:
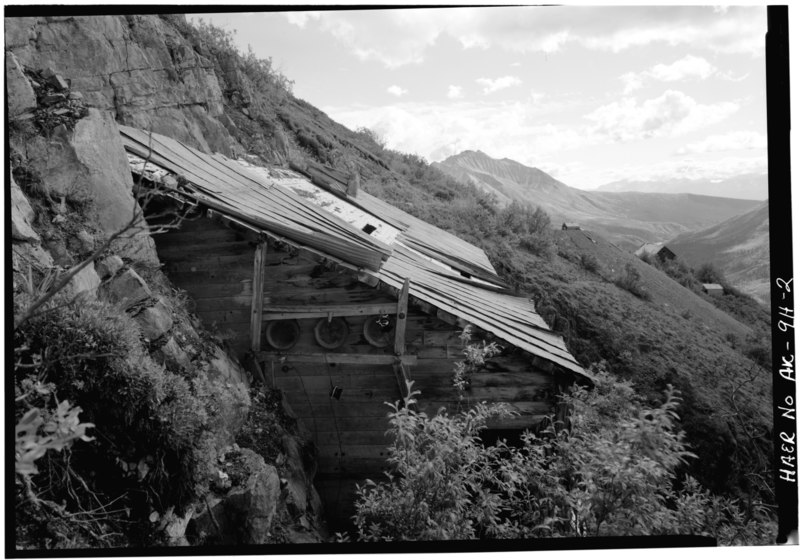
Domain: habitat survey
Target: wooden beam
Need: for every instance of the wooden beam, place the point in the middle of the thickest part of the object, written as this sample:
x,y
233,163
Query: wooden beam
x,y
332,358
400,339
257,306
274,312
402,317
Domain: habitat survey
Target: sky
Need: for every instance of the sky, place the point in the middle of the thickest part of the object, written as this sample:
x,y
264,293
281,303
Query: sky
x,y
588,94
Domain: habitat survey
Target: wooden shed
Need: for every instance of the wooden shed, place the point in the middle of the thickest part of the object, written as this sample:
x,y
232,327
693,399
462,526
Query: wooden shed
x,y
713,289
658,250
570,226
339,300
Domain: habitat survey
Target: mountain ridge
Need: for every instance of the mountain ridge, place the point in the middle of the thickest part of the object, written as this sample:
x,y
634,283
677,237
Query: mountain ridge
x,y
747,186
626,218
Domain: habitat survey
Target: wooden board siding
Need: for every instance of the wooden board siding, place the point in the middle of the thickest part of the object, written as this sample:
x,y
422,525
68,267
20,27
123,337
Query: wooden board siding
x,y
350,432
214,265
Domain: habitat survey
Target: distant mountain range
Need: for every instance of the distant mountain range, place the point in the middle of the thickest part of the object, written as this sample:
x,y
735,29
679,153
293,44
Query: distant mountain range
x,y
739,247
625,218
750,186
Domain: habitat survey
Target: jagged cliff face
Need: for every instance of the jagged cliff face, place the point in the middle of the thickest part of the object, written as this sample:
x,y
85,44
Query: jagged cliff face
x,y
138,68
70,81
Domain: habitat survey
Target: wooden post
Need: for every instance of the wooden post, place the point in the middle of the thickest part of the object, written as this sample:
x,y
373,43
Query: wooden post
x,y
400,338
257,306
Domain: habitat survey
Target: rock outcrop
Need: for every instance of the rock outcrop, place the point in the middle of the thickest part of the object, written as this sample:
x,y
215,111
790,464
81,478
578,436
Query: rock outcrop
x,y
69,81
138,68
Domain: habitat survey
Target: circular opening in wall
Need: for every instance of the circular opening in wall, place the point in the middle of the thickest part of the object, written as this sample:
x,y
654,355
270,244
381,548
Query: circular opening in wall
x,y
283,334
379,330
331,334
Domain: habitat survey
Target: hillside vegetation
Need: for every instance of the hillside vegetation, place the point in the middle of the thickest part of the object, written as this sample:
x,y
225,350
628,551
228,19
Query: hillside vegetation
x,y
738,247
171,436
671,337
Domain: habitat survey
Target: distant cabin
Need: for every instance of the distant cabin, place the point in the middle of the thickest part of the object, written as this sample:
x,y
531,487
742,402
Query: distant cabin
x,y
566,226
661,252
339,299
713,289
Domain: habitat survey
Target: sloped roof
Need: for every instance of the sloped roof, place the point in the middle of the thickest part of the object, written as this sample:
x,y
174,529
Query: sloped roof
x,y
224,185
444,270
648,249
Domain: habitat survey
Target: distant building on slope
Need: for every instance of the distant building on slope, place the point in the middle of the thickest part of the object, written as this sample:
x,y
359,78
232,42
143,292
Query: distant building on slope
x,y
713,289
662,252
566,226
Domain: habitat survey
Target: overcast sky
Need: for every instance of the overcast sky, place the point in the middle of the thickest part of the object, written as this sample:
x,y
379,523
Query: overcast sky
x,y
587,94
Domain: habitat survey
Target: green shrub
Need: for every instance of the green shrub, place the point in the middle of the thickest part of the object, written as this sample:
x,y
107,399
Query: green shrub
x,y
613,473
589,262
709,274
631,280
441,489
148,421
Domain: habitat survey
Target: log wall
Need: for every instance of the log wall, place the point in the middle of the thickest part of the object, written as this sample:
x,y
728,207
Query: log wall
x,y
213,263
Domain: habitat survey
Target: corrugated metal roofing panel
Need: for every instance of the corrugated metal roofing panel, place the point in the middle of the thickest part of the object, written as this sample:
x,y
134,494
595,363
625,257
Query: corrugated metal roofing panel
x,y
510,318
229,187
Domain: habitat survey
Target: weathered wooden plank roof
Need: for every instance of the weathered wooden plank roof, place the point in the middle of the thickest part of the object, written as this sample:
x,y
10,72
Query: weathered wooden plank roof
x,y
436,279
228,187
509,317
433,260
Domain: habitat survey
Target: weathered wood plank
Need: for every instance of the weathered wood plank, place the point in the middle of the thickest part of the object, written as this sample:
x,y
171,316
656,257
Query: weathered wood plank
x,y
353,437
347,381
335,358
321,412
515,422
257,307
402,316
273,312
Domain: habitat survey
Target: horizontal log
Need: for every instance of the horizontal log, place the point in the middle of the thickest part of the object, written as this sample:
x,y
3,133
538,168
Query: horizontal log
x,y
317,383
333,358
322,413
348,397
526,422
356,467
273,312
353,437
207,263
354,451
346,424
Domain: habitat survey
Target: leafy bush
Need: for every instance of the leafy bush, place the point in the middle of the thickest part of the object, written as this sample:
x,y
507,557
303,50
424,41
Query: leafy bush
x,y
631,280
709,274
614,473
530,228
149,422
442,486
589,262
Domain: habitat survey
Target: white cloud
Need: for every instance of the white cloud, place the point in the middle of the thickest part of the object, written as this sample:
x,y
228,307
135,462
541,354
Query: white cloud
x,y
686,168
397,91
737,140
492,85
632,81
671,114
688,67
517,130
300,19
399,37
455,92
